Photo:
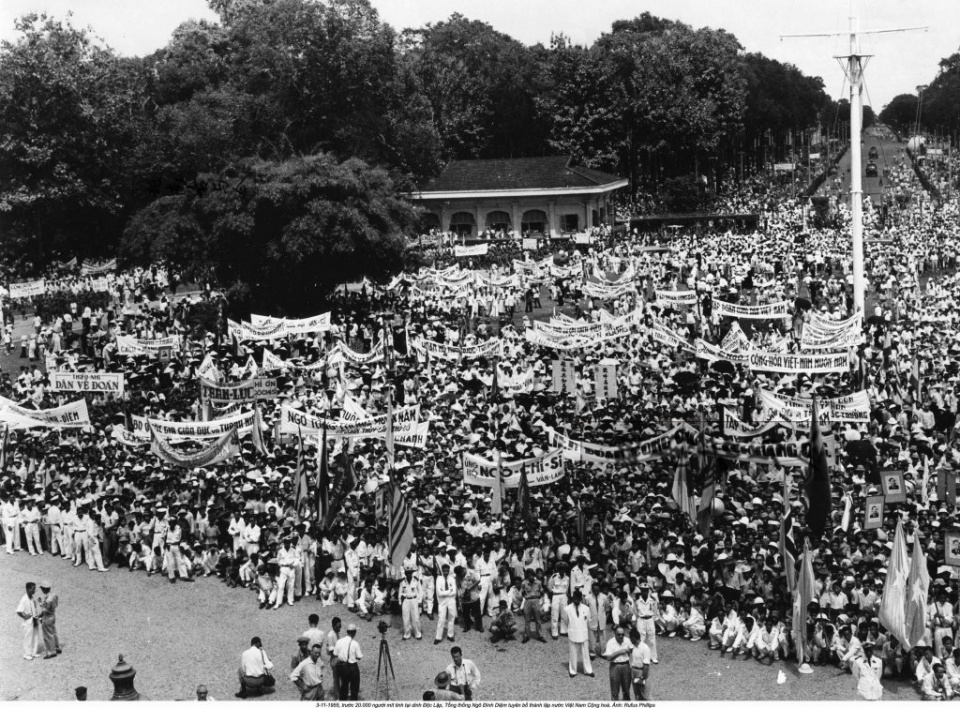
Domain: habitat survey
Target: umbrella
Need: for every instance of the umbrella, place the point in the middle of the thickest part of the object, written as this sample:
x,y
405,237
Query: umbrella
x,y
723,367
686,381
802,303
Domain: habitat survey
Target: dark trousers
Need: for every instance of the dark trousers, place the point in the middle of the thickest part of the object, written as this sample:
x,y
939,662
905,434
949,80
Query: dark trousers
x,y
349,681
620,680
531,613
472,616
463,691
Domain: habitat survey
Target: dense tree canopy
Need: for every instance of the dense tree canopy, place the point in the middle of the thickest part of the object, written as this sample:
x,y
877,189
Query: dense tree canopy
x,y
285,96
278,235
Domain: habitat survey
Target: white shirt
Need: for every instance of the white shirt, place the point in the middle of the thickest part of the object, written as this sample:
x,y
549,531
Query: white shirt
x,y
467,674
348,650
254,662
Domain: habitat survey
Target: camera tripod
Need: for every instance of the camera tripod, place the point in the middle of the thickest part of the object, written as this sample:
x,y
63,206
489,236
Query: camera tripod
x,y
385,669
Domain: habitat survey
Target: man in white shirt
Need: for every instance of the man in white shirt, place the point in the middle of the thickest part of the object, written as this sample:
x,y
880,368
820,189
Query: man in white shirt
x,y
618,652
10,512
287,558
464,675
578,634
308,675
348,654
254,669
447,603
30,522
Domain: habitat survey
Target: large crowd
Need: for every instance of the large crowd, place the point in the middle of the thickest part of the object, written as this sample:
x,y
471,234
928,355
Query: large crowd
x,y
609,531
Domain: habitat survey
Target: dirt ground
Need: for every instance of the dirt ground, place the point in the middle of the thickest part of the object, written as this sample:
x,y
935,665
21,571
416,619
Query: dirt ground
x,y
177,636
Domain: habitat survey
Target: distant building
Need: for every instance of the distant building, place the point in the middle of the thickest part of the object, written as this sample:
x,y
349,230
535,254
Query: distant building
x,y
529,195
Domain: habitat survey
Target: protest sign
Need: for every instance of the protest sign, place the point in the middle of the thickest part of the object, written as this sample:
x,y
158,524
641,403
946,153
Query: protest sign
x,y
540,470
32,288
798,363
86,382
754,312
479,249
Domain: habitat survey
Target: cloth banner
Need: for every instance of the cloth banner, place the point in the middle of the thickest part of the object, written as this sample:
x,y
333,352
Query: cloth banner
x,y
650,449
271,362
564,376
261,387
481,472
854,408
608,292
663,334
672,298
69,415
468,251
190,429
490,348
711,352
735,428
98,268
208,370
358,359
751,312
735,340
86,382
798,363
218,451
292,421
824,326
787,454
317,323
132,346
571,270
582,239
417,439
31,288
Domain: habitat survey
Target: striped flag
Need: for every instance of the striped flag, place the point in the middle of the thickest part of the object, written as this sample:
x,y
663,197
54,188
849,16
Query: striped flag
x,y
893,602
399,524
323,481
804,594
301,489
708,475
818,479
918,584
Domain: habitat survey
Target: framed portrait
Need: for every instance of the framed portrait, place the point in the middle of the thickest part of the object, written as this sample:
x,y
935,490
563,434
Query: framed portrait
x,y
892,483
873,515
951,547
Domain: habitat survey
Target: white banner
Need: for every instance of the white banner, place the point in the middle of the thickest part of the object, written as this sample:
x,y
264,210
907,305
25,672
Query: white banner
x,y
309,425
663,334
467,251
608,292
529,244
564,376
189,429
32,288
98,268
84,382
711,352
605,378
798,363
672,298
736,428
854,408
262,387
735,339
132,346
641,451
751,312
540,470
360,359
70,415
317,323
492,347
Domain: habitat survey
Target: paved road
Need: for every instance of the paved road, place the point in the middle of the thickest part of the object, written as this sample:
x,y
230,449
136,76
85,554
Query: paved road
x,y
889,154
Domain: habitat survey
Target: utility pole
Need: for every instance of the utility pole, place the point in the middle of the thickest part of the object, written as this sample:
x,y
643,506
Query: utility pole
x,y
853,64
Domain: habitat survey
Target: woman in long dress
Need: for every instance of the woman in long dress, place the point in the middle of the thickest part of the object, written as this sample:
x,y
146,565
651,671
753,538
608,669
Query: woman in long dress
x,y
29,612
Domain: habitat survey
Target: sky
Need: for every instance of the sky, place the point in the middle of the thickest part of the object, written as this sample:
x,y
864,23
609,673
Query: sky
x,y
901,61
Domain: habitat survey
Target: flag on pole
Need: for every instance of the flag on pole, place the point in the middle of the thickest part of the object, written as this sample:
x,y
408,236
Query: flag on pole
x,y
399,524
496,502
523,501
345,483
681,485
256,434
805,592
581,523
495,386
301,489
788,548
915,380
323,480
918,585
389,436
894,600
4,455
708,476
924,492
818,479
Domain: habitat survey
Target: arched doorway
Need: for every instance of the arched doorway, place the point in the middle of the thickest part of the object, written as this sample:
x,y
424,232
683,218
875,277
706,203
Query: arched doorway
x,y
429,222
534,221
462,224
499,222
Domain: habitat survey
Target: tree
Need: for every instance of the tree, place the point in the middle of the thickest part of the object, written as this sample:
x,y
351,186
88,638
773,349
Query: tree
x,y
278,235
67,107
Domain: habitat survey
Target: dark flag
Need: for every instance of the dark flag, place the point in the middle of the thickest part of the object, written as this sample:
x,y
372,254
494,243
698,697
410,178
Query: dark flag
x,y
708,480
301,489
4,454
323,481
818,479
581,523
526,520
345,483
495,386
259,444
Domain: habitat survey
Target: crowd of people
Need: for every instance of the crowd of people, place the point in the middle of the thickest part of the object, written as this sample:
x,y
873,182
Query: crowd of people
x,y
603,553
